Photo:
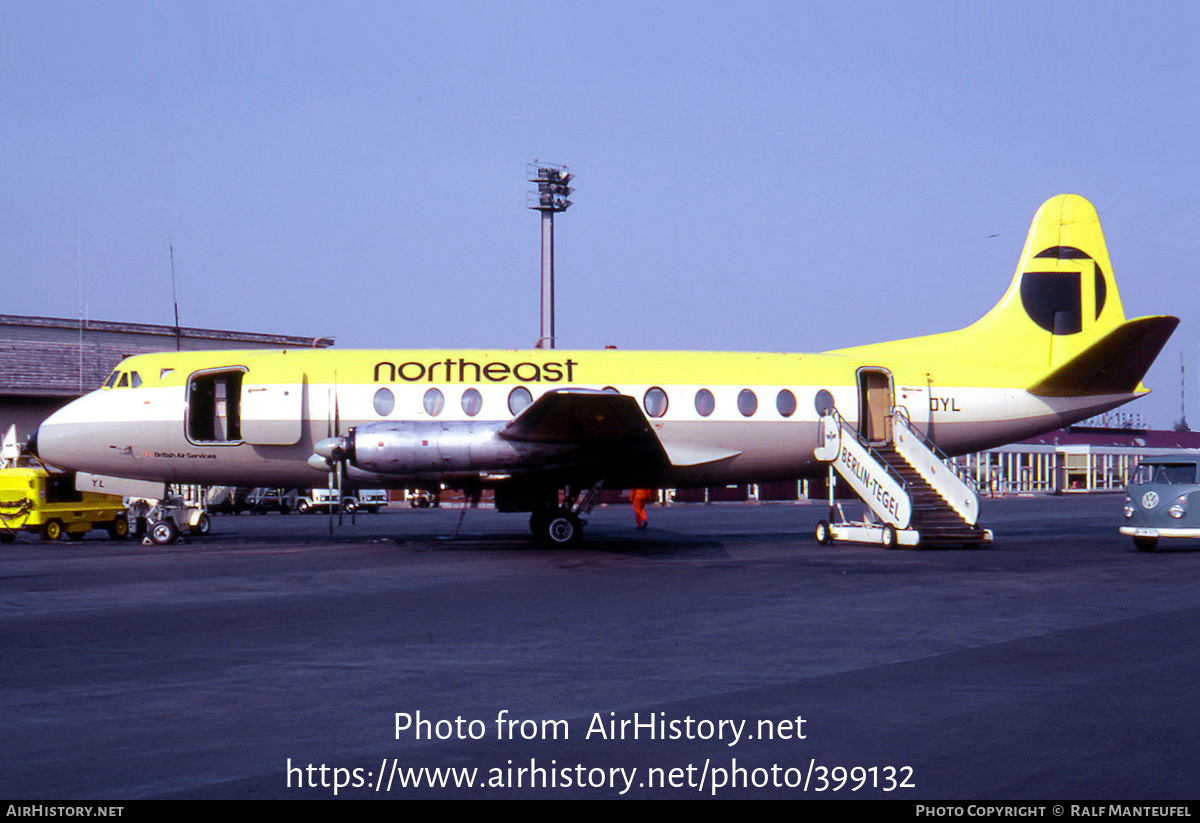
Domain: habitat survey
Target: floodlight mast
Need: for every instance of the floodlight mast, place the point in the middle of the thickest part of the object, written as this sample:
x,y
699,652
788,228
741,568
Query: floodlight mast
x,y
551,196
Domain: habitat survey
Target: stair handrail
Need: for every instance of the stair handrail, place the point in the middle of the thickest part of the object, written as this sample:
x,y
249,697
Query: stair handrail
x,y
902,413
871,450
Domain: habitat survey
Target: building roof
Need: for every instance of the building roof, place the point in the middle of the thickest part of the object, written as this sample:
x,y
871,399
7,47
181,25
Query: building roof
x,y
1126,438
60,357
12,322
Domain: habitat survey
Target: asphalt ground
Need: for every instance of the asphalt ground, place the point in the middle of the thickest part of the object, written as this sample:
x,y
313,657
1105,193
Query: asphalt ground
x,y
270,660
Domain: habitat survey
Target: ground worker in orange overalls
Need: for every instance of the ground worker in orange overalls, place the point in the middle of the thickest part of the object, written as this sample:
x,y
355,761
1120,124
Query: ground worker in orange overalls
x,y
639,498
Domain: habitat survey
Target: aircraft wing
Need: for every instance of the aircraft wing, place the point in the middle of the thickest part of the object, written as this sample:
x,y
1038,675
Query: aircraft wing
x,y
583,417
614,422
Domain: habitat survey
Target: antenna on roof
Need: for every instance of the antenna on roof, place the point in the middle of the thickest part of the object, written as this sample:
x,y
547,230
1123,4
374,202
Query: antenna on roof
x,y
1182,425
79,267
174,299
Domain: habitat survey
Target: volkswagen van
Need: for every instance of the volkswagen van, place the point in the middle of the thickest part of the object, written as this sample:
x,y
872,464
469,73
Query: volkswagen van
x,y
1163,500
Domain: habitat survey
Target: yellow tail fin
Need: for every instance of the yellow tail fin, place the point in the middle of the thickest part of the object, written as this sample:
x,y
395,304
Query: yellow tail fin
x,y
1060,328
1063,297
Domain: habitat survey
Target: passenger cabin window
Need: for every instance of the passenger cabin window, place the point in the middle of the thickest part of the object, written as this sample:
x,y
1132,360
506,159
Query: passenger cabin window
x,y
706,404
384,401
434,401
214,407
785,403
747,402
655,402
472,402
519,400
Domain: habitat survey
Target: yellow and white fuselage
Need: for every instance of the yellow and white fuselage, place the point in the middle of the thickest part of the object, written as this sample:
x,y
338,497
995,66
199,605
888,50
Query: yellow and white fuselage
x,y
1056,349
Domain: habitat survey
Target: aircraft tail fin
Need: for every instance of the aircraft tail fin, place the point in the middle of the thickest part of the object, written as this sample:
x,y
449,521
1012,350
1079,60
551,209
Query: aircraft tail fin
x,y
1063,297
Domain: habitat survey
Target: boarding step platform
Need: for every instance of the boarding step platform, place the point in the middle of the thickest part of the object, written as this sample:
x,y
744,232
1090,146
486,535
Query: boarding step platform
x,y
911,496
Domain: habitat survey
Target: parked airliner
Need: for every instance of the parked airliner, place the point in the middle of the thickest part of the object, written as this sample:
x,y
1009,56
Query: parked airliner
x,y
546,429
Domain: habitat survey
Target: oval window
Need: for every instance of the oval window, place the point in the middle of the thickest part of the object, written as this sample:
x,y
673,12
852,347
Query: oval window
x,y
384,402
655,402
706,404
472,402
519,400
609,390
747,402
785,402
823,402
434,402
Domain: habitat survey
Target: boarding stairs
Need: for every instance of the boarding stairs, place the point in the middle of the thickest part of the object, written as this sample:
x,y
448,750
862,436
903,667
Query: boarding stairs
x,y
912,495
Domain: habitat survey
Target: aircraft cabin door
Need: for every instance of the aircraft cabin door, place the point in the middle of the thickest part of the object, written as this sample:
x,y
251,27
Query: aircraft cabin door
x,y
272,409
876,396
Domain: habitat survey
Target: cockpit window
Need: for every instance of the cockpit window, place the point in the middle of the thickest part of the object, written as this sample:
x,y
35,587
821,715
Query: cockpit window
x,y
135,379
112,380
162,373
123,383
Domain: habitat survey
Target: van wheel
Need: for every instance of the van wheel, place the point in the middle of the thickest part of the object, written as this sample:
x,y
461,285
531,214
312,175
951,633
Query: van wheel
x,y
75,537
7,537
118,529
52,530
1145,544
163,532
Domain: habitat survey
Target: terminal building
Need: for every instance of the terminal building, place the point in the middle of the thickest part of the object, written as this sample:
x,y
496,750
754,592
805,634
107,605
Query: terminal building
x,y
46,362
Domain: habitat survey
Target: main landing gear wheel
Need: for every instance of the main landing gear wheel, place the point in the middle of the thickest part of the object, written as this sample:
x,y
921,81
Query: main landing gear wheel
x,y
163,532
556,527
824,533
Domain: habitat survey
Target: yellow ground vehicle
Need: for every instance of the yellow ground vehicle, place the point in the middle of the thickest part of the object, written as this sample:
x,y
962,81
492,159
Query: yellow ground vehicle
x,y
34,500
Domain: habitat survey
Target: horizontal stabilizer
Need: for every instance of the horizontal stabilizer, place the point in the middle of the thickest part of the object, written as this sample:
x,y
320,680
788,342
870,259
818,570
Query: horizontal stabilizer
x,y
1114,364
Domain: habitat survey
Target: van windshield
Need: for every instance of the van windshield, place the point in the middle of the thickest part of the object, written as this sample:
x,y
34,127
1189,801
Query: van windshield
x,y
1171,474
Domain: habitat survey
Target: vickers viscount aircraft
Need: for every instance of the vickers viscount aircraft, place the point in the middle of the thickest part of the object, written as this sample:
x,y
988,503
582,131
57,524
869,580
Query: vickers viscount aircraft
x,y
546,429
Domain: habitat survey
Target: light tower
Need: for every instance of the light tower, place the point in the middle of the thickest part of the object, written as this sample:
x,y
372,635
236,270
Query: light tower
x,y
551,196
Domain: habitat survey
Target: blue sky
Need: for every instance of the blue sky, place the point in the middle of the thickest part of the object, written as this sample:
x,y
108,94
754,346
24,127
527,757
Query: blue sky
x,y
771,176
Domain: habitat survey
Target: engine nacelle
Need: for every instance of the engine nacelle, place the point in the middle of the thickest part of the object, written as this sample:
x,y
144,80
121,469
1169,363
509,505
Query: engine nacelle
x,y
432,449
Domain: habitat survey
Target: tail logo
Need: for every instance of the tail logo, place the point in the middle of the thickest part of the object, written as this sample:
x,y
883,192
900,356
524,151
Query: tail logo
x,y
1054,299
